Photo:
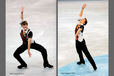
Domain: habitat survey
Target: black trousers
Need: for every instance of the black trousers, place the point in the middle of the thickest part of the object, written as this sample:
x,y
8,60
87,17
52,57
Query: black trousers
x,y
81,47
35,46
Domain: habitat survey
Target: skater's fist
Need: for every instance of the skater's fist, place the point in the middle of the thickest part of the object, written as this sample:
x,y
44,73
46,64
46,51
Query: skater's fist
x,y
22,8
83,6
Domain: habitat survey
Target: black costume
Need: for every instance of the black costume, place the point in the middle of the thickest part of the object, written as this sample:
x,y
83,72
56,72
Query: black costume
x,y
81,47
34,45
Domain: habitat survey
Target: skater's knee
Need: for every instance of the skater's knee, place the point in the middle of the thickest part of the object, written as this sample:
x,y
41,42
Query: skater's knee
x,y
44,50
15,55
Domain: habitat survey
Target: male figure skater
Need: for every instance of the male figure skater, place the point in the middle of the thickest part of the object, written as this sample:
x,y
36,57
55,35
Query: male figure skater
x,y
26,35
80,42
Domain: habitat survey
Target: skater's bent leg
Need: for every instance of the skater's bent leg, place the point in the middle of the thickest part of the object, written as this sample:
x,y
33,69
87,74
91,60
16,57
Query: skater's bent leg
x,y
42,50
17,53
44,54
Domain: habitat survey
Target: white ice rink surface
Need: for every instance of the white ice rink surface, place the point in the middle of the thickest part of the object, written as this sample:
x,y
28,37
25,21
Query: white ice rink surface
x,y
41,16
95,33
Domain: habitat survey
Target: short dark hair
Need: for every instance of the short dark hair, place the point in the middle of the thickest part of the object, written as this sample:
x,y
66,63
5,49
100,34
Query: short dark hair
x,y
85,21
24,23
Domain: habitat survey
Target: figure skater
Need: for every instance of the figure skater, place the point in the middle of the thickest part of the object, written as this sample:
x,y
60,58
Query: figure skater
x,y
80,41
28,43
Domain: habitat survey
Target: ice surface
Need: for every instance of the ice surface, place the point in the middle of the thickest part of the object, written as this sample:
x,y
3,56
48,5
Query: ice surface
x,y
73,69
41,16
95,33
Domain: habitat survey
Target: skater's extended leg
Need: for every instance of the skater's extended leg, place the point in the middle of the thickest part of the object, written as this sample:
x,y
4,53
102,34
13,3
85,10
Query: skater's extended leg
x,y
89,57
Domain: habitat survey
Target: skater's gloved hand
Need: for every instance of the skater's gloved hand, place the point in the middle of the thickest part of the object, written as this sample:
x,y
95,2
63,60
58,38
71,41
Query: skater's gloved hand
x,y
29,53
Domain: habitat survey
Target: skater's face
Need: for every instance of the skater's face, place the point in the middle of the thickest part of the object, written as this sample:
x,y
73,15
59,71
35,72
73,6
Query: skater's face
x,y
82,21
25,27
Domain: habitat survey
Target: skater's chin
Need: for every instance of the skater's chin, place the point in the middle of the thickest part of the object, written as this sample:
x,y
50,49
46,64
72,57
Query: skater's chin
x,y
25,29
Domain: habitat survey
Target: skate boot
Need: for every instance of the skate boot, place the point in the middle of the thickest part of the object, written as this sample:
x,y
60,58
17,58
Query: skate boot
x,y
48,65
22,66
79,63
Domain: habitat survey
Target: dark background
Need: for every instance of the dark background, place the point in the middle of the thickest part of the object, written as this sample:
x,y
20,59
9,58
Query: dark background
x,y
2,37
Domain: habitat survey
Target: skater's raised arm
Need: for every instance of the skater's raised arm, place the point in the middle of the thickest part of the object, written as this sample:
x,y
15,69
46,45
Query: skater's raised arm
x,y
22,8
81,13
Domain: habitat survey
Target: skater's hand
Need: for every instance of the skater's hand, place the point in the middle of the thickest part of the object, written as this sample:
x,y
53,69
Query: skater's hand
x,y
22,8
29,53
76,37
84,5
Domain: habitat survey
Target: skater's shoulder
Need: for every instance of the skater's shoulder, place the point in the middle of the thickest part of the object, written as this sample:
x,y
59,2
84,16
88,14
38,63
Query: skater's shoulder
x,y
29,31
21,31
81,26
30,34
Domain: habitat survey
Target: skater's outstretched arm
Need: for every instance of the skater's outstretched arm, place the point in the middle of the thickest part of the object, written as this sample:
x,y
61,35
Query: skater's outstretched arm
x,y
29,45
22,8
81,13
76,35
